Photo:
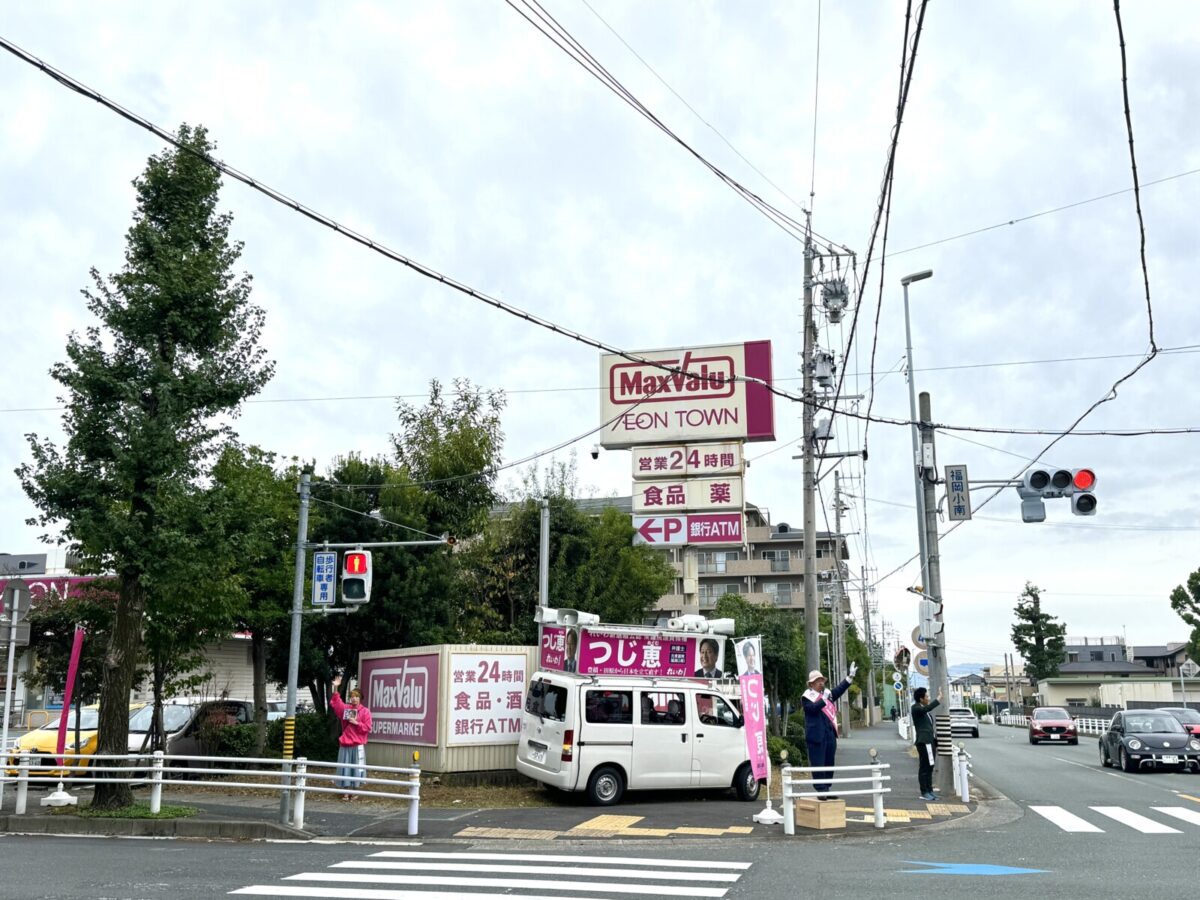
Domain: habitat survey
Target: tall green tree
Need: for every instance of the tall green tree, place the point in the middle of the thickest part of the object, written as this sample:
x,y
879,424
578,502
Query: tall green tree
x,y
1038,636
1185,600
175,347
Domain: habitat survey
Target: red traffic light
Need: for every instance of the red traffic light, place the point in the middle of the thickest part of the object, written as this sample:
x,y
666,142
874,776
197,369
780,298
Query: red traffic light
x,y
1085,479
356,563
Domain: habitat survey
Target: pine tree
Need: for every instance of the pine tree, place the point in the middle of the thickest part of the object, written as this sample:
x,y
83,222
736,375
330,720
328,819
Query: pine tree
x,y
1038,637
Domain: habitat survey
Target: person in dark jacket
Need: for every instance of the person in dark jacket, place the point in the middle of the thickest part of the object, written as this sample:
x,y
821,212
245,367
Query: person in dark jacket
x,y
820,725
925,739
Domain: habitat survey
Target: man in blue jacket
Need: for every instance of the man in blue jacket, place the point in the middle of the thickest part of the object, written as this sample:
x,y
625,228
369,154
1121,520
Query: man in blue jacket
x,y
820,725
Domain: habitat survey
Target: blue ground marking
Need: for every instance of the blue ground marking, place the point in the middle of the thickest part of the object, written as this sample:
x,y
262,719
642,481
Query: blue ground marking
x,y
965,869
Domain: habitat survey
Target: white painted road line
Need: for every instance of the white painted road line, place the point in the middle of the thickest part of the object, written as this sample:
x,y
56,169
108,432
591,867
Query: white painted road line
x,y
1065,820
549,857
645,890
337,892
1180,812
556,871
1135,821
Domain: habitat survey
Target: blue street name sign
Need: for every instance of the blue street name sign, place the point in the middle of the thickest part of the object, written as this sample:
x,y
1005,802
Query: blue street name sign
x,y
324,590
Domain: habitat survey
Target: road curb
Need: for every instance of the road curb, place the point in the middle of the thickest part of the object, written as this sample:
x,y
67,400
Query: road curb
x,y
195,829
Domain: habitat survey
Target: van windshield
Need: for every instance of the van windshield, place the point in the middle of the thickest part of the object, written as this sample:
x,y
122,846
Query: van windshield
x,y
546,700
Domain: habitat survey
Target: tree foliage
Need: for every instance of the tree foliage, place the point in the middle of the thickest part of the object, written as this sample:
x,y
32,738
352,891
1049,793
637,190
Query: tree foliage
x,y
52,624
1185,600
176,347
1038,636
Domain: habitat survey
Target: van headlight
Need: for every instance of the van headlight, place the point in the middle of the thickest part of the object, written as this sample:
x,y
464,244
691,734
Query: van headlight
x,y
1194,744
1135,744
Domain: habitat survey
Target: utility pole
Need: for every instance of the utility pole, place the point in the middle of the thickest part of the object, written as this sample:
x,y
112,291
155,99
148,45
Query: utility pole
x,y
866,614
938,670
812,641
289,721
839,619
544,558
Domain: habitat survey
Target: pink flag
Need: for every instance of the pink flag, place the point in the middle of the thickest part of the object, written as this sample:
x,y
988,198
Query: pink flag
x,y
68,690
754,714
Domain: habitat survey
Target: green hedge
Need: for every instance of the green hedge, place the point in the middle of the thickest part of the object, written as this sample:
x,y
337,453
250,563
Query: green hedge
x,y
797,755
316,737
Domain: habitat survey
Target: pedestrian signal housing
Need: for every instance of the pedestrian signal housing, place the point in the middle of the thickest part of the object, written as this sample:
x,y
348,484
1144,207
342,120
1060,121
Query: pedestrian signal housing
x,y
356,577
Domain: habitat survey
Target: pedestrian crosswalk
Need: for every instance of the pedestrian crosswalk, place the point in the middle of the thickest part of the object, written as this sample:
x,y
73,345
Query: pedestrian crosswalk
x,y
1164,821
430,875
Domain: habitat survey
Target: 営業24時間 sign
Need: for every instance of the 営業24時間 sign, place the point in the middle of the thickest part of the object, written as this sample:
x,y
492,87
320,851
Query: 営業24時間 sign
x,y
693,394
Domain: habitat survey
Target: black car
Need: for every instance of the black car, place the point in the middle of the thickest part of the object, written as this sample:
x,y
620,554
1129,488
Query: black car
x,y
1138,739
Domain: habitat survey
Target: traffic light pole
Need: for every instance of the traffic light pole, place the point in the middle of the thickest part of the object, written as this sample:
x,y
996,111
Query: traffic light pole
x,y
938,670
289,722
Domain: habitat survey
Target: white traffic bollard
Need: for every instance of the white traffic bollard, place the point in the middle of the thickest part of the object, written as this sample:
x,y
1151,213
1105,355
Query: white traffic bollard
x,y
964,777
298,796
156,774
22,782
877,787
414,803
789,808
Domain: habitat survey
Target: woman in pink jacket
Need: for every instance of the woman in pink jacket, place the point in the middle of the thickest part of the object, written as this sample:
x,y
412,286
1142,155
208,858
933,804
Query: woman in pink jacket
x,y
352,745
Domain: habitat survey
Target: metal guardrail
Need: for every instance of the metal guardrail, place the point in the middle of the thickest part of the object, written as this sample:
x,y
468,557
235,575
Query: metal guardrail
x,y
791,790
295,776
1082,725
961,761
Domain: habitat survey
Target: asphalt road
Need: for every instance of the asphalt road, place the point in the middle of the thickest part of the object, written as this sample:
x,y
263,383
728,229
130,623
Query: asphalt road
x,y
1120,825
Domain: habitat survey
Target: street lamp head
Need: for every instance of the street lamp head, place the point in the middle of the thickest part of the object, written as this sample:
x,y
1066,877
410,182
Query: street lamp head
x,y
916,276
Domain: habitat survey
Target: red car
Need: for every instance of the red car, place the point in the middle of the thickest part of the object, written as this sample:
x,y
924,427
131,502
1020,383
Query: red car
x,y
1188,718
1052,723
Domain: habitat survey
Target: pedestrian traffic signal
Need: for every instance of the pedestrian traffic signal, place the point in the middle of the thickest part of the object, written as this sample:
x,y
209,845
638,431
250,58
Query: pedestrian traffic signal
x,y
1083,501
356,577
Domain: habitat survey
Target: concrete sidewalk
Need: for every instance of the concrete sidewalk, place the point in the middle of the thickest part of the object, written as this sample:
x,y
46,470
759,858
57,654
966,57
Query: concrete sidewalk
x,y
642,814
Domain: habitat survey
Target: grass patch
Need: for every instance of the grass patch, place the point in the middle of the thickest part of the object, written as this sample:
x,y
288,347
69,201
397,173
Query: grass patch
x,y
137,811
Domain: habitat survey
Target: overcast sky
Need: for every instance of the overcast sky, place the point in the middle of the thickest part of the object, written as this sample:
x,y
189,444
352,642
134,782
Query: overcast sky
x,y
461,137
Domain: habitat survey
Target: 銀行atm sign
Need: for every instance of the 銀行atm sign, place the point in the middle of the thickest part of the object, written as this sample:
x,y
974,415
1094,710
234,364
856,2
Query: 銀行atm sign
x,y
700,395
690,528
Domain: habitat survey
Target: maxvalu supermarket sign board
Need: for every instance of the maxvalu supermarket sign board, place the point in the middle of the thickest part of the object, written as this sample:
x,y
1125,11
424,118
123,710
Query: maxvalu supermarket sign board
x,y
706,400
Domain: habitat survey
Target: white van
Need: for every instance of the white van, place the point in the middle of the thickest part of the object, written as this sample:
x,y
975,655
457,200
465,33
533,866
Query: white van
x,y
603,734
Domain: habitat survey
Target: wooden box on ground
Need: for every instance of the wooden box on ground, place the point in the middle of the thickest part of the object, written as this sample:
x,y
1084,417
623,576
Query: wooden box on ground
x,y
820,814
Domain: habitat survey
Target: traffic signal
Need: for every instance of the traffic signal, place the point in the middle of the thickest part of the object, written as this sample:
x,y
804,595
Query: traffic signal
x,y
356,577
1083,501
1044,483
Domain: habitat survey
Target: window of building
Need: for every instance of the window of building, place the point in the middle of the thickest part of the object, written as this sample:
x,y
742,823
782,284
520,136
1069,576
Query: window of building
x,y
1072,657
713,562
780,559
1097,656
779,591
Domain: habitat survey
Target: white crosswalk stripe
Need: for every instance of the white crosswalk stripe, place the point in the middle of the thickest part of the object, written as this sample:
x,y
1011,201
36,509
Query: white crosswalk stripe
x,y
1077,823
420,875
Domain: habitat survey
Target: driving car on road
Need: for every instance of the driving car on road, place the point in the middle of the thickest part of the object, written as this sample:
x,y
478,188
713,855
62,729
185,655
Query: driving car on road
x,y
1188,718
1147,738
963,721
1052,723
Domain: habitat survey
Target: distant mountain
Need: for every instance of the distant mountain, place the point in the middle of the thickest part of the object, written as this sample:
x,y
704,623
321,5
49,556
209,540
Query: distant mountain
x,y
962,669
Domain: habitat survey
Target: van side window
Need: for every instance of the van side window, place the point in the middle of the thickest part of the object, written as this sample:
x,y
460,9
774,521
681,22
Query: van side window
x,y
713,710
546,700
609,707
662,708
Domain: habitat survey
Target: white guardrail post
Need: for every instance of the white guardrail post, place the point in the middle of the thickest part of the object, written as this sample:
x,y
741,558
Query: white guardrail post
x,y
22,781
156,773
789,808
414,803
877,799
964,777
955,755
298,796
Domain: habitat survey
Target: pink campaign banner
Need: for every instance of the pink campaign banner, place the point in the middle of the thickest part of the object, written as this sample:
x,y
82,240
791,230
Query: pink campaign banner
x,y
554,646
754,713
402,694
618,654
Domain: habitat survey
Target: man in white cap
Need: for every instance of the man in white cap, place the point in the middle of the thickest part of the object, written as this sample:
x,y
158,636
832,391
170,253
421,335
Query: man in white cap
x,y
820,725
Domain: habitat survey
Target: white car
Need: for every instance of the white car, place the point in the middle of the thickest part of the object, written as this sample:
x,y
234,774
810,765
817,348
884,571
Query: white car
x,y
963,720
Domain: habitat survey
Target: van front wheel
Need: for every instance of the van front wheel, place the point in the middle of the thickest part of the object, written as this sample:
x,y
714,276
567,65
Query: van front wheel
x,y
744,782
606,786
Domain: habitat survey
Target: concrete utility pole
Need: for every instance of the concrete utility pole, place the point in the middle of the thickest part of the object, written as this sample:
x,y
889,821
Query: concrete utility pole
x,y
866,614
938,669
289,722
544,557
839,619
812,641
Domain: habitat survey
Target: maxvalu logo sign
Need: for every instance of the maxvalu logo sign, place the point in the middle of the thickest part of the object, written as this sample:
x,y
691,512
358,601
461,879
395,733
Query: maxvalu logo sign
x,y
401,693
700,395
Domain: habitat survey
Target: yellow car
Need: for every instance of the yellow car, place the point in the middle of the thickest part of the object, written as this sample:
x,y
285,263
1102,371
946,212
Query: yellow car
x,y
41,744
